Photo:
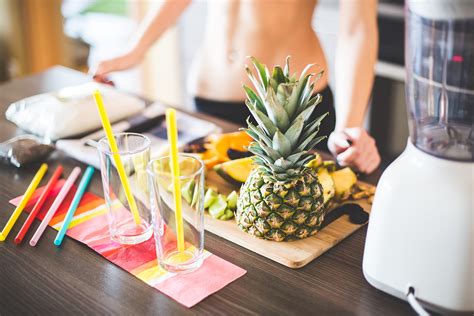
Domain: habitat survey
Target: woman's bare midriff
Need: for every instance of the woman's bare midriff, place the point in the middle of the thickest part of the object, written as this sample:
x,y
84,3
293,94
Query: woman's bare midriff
x,y
270,30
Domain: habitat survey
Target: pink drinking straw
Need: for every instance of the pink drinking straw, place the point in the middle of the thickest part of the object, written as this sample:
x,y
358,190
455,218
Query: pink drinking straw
x,y
54,207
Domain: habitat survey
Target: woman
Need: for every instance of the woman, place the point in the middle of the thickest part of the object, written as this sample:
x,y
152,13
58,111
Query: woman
x,y
271,30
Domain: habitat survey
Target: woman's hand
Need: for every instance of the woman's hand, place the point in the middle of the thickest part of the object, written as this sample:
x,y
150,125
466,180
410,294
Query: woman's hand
x,y
123,62
354,147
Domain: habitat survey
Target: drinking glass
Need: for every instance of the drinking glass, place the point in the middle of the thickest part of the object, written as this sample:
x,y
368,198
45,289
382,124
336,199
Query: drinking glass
x,y
163,212
134,153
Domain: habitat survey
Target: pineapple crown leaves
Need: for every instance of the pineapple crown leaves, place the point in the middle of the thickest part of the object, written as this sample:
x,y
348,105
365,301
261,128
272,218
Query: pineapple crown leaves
x,y
282,105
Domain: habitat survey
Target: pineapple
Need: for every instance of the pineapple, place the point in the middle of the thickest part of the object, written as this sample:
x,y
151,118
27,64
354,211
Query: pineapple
x,y
282,199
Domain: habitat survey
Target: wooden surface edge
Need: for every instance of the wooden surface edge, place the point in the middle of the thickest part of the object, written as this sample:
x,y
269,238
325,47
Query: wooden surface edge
x,y
309,259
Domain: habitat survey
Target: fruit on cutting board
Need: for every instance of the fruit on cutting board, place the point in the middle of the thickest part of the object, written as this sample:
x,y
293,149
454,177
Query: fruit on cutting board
x,y
220,206
327,183
217,148
316,162
235,171
344,180
209,198
232,200
237,141
187,191
282,199
329,165
209,158
338,184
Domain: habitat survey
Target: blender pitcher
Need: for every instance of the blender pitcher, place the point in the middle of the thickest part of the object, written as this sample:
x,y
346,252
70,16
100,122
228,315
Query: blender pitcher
x,y
440,79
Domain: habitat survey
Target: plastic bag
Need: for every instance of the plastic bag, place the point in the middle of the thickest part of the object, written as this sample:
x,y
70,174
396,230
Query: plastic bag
x,y
25,149
71,111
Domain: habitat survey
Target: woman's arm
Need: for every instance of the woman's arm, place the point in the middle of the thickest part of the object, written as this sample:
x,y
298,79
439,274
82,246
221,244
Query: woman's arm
x,y
356,56
151,28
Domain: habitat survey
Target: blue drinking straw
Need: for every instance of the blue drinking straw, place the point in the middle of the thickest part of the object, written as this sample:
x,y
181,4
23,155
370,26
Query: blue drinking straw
x,y
86,178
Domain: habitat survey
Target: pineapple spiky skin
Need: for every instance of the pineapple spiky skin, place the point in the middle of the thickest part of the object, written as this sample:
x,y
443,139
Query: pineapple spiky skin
x,y
281,211
282,199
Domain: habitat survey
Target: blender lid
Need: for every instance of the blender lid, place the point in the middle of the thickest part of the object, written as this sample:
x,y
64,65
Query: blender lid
x,y
443,9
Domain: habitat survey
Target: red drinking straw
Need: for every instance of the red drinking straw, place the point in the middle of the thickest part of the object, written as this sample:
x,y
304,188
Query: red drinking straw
x,y
52,182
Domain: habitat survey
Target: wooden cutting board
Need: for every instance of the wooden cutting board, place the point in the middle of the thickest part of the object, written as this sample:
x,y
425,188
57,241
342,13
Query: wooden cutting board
x,y
294,254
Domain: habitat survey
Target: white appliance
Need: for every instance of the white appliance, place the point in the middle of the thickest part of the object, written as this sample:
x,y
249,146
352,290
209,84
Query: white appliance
x,y
420,240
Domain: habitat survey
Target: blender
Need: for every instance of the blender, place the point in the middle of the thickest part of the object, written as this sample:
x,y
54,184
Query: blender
x,y
420,239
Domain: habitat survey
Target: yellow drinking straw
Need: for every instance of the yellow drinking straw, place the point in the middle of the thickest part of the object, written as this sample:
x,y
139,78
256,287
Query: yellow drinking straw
x,y
24,200
173,143
118,163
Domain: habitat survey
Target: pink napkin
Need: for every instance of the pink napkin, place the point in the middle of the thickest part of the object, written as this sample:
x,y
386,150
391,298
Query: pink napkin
x,y
139,260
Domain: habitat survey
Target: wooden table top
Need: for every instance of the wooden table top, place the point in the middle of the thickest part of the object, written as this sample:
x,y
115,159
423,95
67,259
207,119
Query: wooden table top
x,y
73,279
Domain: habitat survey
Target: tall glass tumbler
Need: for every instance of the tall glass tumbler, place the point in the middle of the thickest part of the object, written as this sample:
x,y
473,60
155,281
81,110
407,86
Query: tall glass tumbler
x,y
163,210
134,154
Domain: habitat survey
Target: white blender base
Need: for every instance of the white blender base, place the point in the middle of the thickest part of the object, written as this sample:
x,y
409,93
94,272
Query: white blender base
x,y
421,231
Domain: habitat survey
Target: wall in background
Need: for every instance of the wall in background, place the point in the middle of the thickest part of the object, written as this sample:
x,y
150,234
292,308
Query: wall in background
x,y
32,35
5,30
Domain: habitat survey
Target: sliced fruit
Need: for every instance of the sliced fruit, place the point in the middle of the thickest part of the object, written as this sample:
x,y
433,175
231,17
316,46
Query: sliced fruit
x,y
236,141
209,158
195,198
362,191
232,200
187,191
218,148
327,183
195,146
344,180
360,195
209,197
329,165
316,162
235,171
228,214
212,138
218,207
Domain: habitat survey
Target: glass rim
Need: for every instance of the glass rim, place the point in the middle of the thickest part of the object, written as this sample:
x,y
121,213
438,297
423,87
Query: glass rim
x,y
107,151
181,177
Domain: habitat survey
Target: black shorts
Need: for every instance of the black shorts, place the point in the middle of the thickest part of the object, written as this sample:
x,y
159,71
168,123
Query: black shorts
x,y
237,112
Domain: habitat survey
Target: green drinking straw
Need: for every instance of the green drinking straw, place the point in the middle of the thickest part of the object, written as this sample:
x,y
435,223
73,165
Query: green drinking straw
x,y
81,189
